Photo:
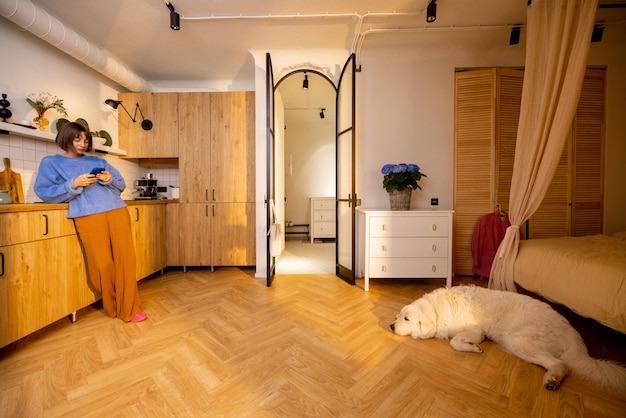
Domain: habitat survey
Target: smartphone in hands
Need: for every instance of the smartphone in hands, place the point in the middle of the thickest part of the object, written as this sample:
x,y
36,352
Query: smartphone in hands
x,y
97,170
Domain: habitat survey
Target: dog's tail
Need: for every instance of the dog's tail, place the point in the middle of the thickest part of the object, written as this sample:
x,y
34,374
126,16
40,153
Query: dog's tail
x,y
604,373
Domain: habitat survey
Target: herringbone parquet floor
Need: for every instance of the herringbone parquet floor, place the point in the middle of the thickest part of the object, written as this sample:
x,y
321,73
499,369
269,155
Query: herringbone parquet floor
x,y
221,344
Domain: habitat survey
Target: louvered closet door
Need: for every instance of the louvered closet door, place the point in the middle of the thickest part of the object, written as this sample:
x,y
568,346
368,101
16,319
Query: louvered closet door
x,y
475,93
486,118
588,157
573,204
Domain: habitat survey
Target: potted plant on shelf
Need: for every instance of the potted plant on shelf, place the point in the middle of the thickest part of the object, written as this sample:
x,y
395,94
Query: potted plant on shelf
x,y
42,102
399,180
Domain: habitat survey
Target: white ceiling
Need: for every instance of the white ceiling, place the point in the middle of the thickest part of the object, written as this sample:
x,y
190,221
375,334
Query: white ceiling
x,y
137,32
217,47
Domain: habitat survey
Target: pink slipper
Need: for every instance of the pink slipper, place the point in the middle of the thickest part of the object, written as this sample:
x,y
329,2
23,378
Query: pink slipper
x,y
141,316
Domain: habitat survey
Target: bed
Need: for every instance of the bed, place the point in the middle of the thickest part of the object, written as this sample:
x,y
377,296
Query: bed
x,y
586,274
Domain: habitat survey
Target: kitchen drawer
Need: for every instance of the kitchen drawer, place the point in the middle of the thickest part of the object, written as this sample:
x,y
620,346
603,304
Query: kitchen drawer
x,y
21,227
408,247
399,268
429,226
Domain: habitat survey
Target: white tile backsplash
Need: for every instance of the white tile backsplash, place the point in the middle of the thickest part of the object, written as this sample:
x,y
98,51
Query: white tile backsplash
x,y
26,154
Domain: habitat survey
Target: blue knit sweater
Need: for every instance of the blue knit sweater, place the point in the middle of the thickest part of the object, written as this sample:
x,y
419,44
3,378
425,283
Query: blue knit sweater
x,y
55,184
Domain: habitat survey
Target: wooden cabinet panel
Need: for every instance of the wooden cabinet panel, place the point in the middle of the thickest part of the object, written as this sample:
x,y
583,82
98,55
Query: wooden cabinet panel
x,y
232,147
172,234
159,142
195,147
33,292
148,228
195,230
233,225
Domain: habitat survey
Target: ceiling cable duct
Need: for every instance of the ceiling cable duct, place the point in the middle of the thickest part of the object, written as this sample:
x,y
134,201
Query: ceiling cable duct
x,y
40,23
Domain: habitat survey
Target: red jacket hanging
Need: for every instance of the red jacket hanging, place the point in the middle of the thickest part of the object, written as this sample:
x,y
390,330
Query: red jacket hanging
x,y
488,235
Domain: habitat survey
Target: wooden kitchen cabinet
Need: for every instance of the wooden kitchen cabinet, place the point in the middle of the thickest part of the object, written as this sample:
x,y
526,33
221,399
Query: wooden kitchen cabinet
x,y
232,147
195,147
38,287
195,234
172,234
159,142
232,226
216,167
148,228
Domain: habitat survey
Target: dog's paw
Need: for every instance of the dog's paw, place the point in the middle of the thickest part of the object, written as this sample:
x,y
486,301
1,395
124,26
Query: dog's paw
x,y
551,382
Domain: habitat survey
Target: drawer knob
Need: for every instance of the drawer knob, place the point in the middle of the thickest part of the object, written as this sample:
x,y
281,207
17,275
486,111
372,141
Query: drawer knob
x,y
384,247
383,268
434,227
434,248
384,226
434,268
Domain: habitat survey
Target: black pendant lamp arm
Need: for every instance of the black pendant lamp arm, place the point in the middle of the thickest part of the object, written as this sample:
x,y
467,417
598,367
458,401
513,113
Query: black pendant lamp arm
x,y
145,123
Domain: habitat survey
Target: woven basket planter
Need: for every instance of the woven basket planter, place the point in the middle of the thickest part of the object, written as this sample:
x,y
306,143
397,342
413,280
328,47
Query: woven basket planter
x,y
400,200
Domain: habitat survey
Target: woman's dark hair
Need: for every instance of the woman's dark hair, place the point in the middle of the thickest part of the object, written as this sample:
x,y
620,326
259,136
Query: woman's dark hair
x,y
69,132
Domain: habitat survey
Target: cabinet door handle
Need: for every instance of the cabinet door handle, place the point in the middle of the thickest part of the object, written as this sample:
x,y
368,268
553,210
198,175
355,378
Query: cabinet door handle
x,y
206,194
45,224
383,269
2,262
434,248
434,227
136,214
434,268
384,227
213,194
384,247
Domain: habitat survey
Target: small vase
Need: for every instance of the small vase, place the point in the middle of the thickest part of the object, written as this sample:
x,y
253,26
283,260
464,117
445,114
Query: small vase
x,y
400,200
42,122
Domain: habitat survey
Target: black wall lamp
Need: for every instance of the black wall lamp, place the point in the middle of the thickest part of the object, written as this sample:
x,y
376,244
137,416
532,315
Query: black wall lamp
x,y
515,33
322,116
174,17
305,82
431,11
146,124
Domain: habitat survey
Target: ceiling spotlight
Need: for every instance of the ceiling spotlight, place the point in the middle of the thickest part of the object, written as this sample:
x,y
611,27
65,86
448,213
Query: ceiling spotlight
x,y
146,124
305,82
515,33
322,113
596,35
431,11
174,17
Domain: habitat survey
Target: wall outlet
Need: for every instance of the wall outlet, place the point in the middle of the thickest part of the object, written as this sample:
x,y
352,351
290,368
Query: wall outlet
x,y
434,201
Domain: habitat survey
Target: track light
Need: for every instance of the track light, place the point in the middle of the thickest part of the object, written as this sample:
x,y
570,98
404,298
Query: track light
x,y
174,17
305,82
146,124
596,35
431,11
322,113
515,33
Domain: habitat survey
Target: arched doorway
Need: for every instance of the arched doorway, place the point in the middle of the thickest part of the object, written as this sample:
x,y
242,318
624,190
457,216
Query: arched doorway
x,y
309,161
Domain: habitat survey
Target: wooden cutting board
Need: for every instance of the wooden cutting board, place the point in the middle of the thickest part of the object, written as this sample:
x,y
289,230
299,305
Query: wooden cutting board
x,y
11,181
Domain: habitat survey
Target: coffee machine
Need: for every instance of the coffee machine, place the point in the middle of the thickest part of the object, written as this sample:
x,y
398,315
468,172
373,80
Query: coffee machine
x,y
146,187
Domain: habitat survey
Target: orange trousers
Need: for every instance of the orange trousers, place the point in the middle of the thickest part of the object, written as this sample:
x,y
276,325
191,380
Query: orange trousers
x,y
111,263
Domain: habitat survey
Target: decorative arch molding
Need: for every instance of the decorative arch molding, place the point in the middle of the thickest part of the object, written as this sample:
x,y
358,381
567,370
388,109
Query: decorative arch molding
x,y
308,66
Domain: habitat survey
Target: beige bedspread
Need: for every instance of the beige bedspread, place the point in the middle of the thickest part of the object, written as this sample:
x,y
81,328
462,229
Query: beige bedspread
x,y
586,274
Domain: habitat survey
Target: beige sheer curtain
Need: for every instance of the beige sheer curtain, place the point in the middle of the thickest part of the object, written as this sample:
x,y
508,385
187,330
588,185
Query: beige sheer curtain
x,y
557,44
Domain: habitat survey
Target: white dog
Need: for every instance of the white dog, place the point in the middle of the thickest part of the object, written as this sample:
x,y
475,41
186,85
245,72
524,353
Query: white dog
x,y
521,325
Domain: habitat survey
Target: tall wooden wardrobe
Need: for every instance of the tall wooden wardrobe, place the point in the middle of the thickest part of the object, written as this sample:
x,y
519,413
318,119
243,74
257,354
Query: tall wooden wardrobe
x,y
487,103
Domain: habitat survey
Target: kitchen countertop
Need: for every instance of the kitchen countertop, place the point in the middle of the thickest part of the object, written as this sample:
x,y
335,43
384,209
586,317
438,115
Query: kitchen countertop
x,y
30,207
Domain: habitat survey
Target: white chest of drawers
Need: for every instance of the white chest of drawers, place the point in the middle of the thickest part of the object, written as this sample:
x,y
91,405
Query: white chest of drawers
x,y
405,244
322,217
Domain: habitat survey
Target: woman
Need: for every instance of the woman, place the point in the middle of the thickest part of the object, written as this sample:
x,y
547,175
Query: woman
x,y
100,215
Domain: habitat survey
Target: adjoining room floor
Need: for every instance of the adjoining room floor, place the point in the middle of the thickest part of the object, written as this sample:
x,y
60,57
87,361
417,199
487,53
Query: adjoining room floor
x,y
303,257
